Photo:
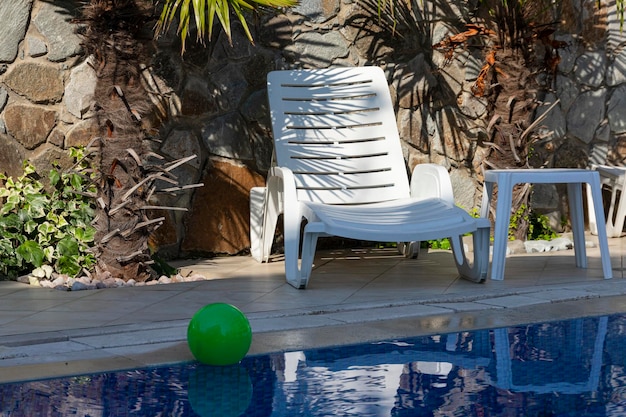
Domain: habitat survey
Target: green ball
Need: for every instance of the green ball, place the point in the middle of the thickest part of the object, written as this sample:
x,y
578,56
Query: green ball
x,y
219,334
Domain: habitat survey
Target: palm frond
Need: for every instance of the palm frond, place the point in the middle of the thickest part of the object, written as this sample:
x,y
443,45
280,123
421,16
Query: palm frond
x,y
205,12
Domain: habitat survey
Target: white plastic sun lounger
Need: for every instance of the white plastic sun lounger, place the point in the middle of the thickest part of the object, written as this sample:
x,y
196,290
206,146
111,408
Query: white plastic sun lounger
x,y
339,169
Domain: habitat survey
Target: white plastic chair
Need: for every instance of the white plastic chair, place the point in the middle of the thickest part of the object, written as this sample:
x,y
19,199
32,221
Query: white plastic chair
x,y
613,179
339,168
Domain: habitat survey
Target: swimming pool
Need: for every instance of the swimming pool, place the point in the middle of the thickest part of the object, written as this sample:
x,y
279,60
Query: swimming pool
x,y
562,368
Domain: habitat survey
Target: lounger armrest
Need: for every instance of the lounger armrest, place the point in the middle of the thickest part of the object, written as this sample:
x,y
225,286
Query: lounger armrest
x,y
266,205
431,181
281,186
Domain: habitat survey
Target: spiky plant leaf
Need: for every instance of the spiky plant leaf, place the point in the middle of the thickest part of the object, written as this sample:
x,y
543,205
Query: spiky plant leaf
x,y
205,12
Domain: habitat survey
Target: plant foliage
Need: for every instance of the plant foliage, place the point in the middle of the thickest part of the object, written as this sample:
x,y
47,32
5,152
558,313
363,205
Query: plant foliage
x,y
538,225
204,13
42,226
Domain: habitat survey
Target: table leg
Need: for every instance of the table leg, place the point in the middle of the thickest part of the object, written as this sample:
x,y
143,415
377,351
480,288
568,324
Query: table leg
x,y
501,229
596,195
577,217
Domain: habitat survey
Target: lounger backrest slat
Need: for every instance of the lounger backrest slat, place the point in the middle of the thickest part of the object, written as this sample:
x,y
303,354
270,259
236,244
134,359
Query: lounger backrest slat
x,y
336,130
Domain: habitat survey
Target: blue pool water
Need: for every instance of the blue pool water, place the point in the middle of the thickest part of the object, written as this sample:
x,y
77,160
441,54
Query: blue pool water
x,y
564,368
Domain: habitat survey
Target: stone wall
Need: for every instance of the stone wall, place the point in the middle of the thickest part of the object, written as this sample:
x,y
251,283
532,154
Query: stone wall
x,y
588,124
41,112
214,103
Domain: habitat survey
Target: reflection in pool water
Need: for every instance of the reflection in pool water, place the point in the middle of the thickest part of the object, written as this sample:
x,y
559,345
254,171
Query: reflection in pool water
x,y
565,368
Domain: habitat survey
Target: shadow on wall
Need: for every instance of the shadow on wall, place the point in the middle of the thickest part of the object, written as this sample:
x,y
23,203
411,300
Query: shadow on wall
x,y
439,119
432,125
222,115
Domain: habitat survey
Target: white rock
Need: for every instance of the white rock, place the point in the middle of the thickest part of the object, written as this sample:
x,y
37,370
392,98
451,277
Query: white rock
x,y
109,282
197,277
515,246
38,272
533,246
60,280
46,283
165,280
79,286
84,280
561,243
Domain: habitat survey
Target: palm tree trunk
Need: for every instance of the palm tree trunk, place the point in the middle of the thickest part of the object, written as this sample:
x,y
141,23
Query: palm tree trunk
x,y
513,104
113,38
512,91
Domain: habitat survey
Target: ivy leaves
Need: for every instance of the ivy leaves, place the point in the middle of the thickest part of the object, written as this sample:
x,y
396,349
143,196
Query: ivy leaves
x,y
42,226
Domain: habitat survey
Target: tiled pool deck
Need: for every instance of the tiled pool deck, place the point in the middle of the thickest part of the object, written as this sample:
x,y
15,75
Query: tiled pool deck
x,y
353,296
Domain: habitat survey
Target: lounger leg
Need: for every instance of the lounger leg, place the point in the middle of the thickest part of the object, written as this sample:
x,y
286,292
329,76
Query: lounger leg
x,y
309,244
298,277
610,227
264,211
593,227
264,217
614,228
477,271
410,250
257,210
292,248
621,215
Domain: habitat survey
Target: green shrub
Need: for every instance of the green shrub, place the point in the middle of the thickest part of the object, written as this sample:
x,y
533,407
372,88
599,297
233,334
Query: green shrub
x,y
444,243
539,228
538,225
440,244
46,230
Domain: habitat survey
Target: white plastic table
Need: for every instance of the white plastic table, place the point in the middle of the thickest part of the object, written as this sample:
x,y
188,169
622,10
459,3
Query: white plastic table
x,y
506,179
